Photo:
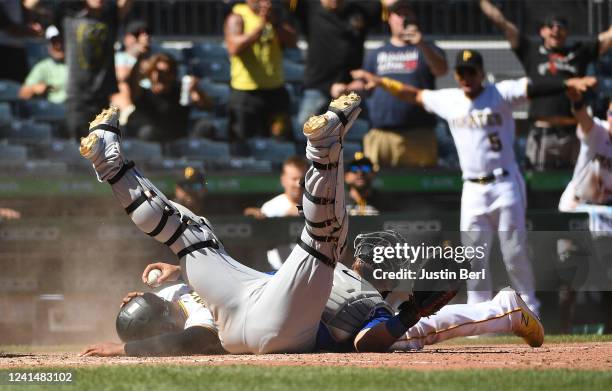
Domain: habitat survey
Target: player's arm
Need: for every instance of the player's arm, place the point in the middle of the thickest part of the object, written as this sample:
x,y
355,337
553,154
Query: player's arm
x,y
605,40
550,86
495,15
193,340
396,88
235,38
581,114
384,330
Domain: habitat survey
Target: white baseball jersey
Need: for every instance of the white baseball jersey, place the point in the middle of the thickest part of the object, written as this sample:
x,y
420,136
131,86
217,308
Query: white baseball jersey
x,y
594,160
193,310
279,206
483,128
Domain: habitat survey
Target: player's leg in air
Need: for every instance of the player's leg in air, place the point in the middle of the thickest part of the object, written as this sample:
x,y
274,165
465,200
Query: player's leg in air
x,y
299,291
240,298
506,313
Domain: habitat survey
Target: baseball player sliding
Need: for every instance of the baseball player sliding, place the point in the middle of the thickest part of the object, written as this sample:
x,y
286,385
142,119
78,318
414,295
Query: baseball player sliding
x,y
255,312
482,126
174,320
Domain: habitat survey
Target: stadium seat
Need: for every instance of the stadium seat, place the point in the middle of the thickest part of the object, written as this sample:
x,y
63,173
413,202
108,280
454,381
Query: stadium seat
x,y
198,148
9,90
215,70
27,131
43,110
208,51
270,149
139,150
6,114
13,153
294,72
220,92
221,131
65,151
293,54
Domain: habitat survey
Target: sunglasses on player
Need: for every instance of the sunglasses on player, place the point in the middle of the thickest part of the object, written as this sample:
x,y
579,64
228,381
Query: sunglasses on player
x,y
365,168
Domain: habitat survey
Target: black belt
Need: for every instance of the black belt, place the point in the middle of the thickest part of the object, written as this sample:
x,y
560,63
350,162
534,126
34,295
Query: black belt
x,y
483,180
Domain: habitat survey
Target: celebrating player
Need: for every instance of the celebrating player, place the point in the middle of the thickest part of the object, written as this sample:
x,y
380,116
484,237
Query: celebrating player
x,y
481,123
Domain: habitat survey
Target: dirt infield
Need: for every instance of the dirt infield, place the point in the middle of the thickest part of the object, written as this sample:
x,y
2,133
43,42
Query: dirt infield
x,y
594,356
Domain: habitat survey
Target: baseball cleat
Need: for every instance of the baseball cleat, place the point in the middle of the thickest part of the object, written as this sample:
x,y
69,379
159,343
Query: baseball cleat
x,y
102,145
330,124
107,119
525,323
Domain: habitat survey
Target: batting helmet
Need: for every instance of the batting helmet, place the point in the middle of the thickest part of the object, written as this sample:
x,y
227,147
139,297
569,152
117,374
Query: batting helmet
x,y
143,317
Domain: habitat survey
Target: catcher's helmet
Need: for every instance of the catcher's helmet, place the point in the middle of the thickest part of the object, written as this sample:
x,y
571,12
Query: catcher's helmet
x,y
363,260
143,317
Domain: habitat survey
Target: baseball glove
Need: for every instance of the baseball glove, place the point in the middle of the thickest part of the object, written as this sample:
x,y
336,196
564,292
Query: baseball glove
x,y
431,294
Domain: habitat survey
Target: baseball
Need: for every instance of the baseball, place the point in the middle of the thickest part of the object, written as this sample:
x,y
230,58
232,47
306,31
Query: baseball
x,y
152,278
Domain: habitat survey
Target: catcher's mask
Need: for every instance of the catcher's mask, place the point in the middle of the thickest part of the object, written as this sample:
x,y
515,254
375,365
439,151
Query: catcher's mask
x,y
363,260
143,317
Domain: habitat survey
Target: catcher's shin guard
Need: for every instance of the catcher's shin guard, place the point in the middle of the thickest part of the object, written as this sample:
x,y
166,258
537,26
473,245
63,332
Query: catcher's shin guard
x,y
324,201
155,215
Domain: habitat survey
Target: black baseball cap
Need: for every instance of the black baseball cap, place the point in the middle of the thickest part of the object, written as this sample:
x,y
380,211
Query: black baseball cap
x,y
469,59
552,20
193,180
360,162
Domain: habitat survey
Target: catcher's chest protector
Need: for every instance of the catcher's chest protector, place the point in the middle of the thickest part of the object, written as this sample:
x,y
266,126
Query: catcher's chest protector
x,y
351,304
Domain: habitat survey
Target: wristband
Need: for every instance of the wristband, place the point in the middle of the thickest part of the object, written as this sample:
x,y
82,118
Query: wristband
x,y
394,87
396,327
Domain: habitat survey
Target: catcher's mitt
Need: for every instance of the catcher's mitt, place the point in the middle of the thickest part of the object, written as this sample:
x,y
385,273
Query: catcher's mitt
x,y
431,294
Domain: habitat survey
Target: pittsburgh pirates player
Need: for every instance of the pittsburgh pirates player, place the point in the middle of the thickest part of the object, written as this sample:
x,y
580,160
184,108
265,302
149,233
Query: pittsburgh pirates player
x,y
590,189
482,126
171,320
241,299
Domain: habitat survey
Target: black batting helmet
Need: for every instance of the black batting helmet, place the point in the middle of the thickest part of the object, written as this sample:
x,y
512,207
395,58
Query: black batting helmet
x,y
143,317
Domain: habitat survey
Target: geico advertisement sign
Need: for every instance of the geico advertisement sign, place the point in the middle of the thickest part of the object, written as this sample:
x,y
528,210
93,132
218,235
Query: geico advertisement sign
x,y
30,233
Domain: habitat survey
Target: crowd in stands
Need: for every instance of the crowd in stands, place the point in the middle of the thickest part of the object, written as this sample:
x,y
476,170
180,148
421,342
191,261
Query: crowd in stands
x,y
249,96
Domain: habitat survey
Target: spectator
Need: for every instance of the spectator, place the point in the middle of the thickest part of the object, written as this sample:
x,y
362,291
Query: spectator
x,y
48,77
552,142
337,27
285,204
136,46
362,199
403,134
13,28
191,190
158,114
259,103
89,36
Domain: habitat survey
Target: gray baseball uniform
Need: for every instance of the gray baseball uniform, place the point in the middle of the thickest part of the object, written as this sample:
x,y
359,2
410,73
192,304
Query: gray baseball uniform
x,y
255,312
